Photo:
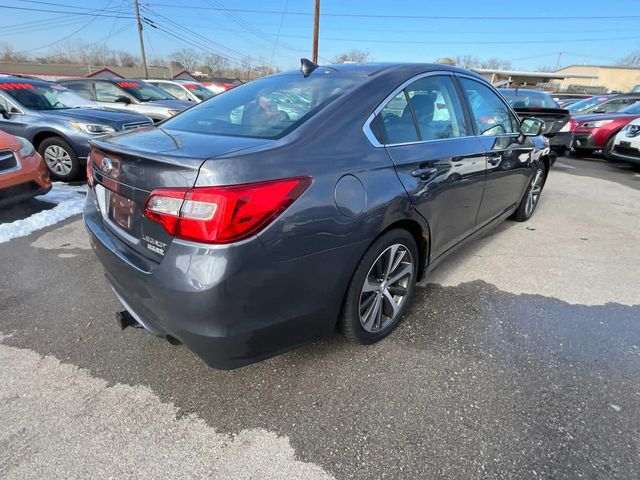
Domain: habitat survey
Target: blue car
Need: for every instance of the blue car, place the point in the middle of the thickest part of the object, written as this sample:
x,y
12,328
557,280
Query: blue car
x,y
59,122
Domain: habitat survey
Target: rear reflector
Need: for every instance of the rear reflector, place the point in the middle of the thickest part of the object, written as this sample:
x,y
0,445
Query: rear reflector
x,y
223,214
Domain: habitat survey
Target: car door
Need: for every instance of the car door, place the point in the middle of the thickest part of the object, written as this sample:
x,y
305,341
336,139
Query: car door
x,y
438,159
106,95
16,123
509,155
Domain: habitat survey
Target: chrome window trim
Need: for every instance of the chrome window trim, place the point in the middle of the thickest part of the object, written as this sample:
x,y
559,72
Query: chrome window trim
x,y
10,101
366,128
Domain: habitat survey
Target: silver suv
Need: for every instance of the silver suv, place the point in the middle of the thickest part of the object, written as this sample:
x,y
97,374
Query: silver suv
x,y
187,90
131,95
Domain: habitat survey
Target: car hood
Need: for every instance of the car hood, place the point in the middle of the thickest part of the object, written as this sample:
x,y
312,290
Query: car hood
x,y
604,116
172,104
94,115
157,141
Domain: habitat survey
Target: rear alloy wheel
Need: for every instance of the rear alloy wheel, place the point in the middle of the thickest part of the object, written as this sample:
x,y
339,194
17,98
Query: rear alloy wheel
x,y
531,197
380,288
60,159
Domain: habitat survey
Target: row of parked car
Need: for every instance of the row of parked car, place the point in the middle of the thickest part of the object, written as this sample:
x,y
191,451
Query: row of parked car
x,y
609,123
54,122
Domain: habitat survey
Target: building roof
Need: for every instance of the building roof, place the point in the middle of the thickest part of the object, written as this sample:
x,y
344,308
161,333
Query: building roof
x,y
621,67
60,70
530,75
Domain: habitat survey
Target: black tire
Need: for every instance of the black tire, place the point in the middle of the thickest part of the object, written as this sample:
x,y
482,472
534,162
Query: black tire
x,y
581,152
67,168
524,212
350,318
608,147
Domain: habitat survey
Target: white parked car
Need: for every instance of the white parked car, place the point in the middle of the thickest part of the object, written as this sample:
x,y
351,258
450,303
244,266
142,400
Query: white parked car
x,y
626,146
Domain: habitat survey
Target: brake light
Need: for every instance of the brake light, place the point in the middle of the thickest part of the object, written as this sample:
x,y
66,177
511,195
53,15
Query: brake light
x,y
89,171
570,126
223,214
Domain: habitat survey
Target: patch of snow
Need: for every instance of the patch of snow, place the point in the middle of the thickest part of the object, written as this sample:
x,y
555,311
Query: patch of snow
x,y
69,201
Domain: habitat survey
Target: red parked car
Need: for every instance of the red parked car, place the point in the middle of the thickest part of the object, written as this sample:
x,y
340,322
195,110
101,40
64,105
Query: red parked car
x,y
597,132
23,174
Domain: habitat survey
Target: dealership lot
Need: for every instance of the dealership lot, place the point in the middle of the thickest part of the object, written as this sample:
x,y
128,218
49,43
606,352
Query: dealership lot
x,y
519,358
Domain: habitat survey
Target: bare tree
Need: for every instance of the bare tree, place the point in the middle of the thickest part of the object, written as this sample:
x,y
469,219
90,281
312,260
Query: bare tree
x,y
495,64
215,63
353,55
630,60
187,58
125,59
8,54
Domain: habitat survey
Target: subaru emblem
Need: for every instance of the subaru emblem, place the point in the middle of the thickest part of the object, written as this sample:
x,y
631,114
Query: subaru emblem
x,y
107,165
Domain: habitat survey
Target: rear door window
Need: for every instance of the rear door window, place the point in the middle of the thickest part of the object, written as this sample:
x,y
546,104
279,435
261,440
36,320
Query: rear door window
x,y
82,89
396,121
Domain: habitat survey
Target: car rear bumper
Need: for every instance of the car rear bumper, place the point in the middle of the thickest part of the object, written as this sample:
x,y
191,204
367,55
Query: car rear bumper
x,y
230,304
561,140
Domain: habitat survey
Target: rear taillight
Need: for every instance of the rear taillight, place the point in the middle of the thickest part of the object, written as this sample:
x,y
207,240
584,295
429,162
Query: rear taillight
x,y
570,126
89,172
222,214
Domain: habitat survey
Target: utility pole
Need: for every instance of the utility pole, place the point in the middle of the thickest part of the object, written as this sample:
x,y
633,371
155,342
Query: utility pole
x,y
316,28
558,61
144,57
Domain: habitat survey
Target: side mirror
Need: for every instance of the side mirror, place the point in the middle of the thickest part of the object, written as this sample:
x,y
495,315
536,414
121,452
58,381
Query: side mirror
x,y
123,99
3,111
531,127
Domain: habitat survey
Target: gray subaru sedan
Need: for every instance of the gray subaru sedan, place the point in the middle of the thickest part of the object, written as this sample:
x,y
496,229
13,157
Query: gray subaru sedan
x,y
243,231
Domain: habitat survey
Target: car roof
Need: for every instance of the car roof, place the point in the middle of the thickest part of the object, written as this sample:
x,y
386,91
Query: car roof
x,y
372,69
30,81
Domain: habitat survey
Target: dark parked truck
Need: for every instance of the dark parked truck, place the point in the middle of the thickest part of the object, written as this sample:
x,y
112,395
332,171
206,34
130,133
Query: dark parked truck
x,y
58,122
558,126
243,233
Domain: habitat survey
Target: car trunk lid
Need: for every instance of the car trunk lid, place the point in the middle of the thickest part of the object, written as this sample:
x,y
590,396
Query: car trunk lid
x,y
554,118
127,168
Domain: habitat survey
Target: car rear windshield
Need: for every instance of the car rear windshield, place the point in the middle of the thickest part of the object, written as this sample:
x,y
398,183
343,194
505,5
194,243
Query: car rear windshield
x,y
587,103
36,96
520,99
267,108
144,92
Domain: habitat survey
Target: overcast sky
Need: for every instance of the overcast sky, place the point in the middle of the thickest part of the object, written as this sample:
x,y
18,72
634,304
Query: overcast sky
x,y
393,30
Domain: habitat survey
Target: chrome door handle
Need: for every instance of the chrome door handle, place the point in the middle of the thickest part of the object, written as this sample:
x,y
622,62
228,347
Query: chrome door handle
x,y
424,173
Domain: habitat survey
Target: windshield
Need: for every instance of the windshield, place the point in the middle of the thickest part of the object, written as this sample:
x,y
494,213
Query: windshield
x,y
267,108
144,92
635,108
198,90
520,99
44,96
586,103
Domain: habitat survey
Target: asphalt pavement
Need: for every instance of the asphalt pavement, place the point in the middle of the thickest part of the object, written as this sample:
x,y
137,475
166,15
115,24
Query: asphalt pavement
x,y
519,358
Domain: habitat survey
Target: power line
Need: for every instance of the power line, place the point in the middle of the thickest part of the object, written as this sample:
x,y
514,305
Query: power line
x,y
106,15
94,18
407,16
